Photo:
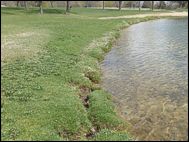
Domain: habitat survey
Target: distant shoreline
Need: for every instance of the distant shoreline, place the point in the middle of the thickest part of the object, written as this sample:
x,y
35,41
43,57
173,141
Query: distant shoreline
x,y
175,14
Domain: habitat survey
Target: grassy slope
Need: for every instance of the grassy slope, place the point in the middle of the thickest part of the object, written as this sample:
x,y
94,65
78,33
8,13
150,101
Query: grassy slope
x,y
110,12
41,92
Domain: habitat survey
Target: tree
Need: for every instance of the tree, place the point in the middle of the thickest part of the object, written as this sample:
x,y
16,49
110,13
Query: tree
x,y
147,4
86,4
17,3
51,3
120,2
152,5
178,4
139,5
26,5
161,4
67,6
186,4
182,3
103,4
41,7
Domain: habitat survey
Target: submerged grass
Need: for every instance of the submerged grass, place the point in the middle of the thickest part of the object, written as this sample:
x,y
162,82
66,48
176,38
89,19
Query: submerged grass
x,y
41,93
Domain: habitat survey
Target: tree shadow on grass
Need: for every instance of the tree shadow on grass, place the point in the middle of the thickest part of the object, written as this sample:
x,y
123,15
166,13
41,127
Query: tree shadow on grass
x,y
11,10
46,11
36,10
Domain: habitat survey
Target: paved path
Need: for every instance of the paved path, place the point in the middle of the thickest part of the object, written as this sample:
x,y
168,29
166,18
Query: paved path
x,y
179,14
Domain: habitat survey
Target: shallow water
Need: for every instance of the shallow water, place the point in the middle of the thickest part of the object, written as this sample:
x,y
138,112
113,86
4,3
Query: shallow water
x,y
147,73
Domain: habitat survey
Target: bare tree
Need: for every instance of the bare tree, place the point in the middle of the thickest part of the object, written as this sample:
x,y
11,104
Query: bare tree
x,y
152,5
181,3
86,4
120,2
51,3
186,4
67,6
17,3
26,5
103,4
41,7
160,4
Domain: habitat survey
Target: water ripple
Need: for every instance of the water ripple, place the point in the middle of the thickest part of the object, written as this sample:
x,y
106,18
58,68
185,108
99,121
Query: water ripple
x,y
147,71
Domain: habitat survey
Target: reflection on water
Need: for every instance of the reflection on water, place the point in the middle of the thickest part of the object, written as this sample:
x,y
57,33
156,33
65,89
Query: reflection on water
x,y
147,72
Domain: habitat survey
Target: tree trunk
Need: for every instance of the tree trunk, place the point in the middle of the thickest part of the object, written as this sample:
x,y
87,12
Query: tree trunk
x,y
17,3
181,5
139,5
152,5
120,2
103,4
36,3
26,5
86,4
67,6
51,3
41,7
160,4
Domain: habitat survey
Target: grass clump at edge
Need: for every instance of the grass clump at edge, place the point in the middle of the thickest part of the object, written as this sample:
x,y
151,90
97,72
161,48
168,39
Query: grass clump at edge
x,y
101,110
104,118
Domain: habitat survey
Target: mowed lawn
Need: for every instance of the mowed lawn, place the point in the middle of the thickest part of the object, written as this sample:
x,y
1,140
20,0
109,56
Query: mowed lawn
x,y
50,63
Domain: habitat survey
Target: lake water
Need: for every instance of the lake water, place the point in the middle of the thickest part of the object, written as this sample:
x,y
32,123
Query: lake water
x,y
147,73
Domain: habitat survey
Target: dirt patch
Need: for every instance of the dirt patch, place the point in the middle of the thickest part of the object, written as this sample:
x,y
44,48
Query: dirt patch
x,y
21,45
25,34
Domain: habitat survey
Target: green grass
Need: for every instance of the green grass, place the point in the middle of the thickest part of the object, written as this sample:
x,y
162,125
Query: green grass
x,y
22,11
86,12
41,91
110,12
102,112
109,135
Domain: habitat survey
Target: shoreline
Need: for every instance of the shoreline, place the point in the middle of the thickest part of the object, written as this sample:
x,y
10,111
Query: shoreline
x,y
112,37
173,14
120,29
